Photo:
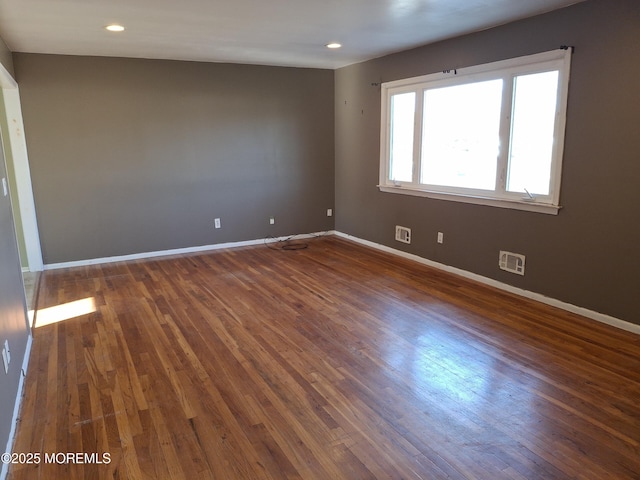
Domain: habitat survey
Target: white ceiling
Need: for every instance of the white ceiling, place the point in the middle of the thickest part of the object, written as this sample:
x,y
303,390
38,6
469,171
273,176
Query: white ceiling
x,y
268,32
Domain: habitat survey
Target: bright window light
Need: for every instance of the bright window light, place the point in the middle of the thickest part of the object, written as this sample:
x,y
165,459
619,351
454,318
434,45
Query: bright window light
x,y
461,135
402,121
534,111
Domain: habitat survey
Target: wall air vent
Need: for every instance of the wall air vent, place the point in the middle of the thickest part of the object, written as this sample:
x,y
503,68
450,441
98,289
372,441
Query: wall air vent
x,y
512,262
403,234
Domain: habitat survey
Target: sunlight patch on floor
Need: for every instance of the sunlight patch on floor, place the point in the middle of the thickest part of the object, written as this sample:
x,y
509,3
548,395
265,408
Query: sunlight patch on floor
x,y
66,311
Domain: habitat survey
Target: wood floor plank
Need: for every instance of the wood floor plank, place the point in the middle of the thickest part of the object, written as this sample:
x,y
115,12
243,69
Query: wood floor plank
x,y
332,362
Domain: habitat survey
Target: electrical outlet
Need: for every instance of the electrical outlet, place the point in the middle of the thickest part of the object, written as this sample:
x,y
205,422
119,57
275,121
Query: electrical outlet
x,y
216,223
440,237
329,212
272,221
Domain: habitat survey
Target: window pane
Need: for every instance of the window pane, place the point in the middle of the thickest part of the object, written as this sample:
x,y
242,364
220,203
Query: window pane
x,y
402,121
533,123
460,137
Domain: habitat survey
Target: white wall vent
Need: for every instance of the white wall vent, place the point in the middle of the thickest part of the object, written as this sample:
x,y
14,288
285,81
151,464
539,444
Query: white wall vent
x,y
512,262
403,234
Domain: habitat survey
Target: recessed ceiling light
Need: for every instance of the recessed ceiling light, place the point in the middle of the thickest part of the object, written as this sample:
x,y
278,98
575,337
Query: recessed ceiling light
x,y
334,45
114,28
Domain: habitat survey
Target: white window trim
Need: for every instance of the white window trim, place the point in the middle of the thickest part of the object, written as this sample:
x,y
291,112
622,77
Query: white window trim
x,y
549,204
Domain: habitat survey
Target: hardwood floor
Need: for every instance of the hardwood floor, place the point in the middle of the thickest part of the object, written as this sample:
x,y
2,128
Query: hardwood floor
x,y
334,362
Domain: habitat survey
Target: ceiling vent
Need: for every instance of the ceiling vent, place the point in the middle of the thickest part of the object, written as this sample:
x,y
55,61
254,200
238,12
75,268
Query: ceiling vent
x,y
512,262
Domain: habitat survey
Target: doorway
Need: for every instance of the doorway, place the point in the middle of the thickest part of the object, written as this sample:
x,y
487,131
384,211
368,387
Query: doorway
x,y
19,184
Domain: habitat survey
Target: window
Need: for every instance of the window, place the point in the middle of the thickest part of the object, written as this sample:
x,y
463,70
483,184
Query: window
x,y
491,134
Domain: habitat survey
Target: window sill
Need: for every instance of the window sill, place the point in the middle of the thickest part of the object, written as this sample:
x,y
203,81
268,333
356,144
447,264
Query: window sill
x,y
476,200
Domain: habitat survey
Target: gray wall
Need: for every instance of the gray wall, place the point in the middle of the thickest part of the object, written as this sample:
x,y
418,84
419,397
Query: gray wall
x,y
131,155
589,254
13,320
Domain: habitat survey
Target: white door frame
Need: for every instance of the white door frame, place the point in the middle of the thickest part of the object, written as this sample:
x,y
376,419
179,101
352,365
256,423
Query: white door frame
x,y
18,145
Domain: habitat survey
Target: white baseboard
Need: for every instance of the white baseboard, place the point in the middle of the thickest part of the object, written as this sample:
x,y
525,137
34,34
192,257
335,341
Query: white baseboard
x,y
177,251
600,317
16,407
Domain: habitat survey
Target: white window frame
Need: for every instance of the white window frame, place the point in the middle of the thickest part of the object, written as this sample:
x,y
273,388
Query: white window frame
x,y
506,69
